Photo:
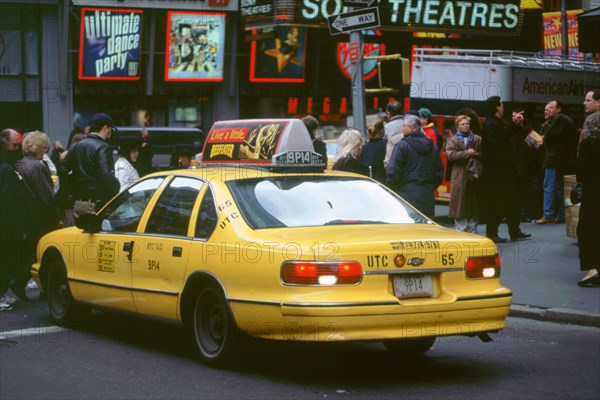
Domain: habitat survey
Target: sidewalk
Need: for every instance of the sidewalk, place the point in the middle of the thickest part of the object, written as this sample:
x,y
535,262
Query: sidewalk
x,y
543,273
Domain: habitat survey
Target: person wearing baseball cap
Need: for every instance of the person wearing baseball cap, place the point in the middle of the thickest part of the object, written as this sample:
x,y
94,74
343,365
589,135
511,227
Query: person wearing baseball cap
x,y
90,160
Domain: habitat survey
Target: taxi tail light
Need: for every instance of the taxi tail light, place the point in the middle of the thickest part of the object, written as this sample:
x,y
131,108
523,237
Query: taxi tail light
x,y
321,273
484,267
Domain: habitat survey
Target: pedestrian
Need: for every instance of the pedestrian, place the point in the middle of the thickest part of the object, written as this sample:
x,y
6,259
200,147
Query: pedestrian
x,y
560,140
499,174
15,223
415,169
57,150
429,127
476,127
185,154
144,161
373,152
588,227
13,142
347,158
525,161
42,208
464,151
65,196
393,128
93,171
125,166
591,104
320,147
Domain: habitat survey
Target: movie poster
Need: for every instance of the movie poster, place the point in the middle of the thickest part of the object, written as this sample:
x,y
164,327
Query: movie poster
x,y
280,56
195,46
110,44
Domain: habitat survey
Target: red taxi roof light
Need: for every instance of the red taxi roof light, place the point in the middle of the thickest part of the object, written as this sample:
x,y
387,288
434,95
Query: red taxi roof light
x,y
321,273
483,267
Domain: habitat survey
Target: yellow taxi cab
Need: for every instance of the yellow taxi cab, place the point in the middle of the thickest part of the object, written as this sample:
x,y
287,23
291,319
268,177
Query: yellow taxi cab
x,y
259,241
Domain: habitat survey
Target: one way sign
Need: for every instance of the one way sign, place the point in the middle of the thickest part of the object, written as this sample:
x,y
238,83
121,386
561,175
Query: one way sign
x,y
354,20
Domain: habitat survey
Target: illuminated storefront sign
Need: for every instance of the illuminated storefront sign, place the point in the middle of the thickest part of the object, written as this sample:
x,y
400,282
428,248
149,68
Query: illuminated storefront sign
x,y
195,46
483,16
110,44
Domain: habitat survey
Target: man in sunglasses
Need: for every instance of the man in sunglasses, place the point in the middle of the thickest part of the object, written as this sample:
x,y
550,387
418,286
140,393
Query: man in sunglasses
x,y
90,167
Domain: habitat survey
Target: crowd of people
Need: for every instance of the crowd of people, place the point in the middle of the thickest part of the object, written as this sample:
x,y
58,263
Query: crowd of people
x,y
491,168
33,203
497,167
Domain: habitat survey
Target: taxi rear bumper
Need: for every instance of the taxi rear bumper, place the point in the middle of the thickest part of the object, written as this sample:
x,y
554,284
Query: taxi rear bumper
x,y
372,322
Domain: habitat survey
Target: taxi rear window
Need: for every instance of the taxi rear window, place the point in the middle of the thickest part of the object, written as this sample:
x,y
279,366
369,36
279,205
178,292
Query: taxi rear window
x,y
294,202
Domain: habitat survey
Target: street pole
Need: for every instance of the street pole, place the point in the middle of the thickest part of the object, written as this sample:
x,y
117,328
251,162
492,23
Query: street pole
x,y
564,24
358,85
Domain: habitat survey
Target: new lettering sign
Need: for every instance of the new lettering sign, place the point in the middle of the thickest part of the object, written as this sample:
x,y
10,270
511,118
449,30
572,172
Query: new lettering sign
x,y
497,17
110,44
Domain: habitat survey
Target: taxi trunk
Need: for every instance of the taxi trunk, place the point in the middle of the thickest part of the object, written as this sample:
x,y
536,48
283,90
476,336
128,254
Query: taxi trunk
x,y
414,283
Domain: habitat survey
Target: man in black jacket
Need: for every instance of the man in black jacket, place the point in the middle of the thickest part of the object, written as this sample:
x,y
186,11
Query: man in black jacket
x,y
499,174
560,140
92,166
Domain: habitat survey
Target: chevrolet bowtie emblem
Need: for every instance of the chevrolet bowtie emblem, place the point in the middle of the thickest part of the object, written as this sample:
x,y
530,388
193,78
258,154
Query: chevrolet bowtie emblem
x,y
416,261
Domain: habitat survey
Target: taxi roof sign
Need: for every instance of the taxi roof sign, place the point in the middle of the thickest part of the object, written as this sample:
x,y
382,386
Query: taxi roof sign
x,y
283,142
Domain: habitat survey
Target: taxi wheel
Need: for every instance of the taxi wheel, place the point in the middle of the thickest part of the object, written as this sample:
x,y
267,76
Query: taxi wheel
x,y
410,347
63,309
215,332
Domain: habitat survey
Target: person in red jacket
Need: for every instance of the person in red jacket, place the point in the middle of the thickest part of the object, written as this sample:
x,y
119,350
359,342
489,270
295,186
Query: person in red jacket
x,y
428,127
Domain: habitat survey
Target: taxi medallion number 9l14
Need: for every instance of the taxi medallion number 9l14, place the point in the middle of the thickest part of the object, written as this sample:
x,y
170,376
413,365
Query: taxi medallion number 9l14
x,y
413,285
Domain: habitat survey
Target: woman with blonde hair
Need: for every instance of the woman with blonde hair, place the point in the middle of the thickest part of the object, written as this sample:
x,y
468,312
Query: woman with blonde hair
x,y
42,209
347,158
463,151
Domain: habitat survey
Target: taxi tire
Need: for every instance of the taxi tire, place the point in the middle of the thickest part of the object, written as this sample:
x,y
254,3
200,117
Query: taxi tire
x,y
410,346
216,335
63,308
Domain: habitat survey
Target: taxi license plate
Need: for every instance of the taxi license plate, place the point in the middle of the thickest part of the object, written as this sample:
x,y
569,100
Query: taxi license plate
x,y
413,285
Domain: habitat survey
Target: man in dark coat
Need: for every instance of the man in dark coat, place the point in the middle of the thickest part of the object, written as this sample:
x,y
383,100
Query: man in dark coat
x,y
588,228
93,167
560,140
499,174
415,168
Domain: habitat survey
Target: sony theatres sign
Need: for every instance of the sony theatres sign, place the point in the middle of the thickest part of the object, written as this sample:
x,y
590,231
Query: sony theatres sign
x,y
497,17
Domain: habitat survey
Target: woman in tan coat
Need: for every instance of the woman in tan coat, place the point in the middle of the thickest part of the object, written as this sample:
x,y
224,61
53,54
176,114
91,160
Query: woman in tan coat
x,y
463,151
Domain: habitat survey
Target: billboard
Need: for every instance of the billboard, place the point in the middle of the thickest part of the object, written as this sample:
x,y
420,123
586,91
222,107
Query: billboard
x,y
279,56
553,35
195,47
110,44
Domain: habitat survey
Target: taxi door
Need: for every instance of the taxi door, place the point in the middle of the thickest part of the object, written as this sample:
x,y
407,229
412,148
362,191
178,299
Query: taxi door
x,y
162,251
102,273
102,261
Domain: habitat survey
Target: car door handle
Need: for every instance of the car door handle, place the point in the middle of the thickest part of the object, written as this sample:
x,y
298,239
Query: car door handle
x,y
128,247
177,251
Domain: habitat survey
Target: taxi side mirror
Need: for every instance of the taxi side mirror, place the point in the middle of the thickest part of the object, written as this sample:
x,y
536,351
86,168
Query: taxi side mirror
x,y
89,223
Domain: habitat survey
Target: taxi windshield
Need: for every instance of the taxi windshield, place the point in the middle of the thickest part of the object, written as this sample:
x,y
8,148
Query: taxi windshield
x,y
295,201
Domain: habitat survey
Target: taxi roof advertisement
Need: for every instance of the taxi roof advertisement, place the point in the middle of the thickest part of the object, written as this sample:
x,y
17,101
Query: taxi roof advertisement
x,y
249,142
497,17
110,44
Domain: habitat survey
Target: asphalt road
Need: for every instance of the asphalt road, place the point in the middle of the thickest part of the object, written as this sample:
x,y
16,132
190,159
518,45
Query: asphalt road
x,y
115,357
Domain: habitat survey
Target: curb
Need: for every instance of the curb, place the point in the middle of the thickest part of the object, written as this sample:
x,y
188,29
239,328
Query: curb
x,y
564,315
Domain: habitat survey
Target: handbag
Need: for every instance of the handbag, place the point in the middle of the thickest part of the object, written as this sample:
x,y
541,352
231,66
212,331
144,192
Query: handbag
x,y
577,193
474,169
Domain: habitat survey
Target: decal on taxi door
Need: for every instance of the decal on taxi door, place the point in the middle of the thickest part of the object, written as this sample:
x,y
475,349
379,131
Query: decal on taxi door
x,y
106,255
